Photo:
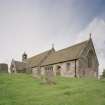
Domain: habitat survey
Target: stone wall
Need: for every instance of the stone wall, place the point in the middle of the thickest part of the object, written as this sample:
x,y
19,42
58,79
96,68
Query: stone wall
x,y
3,68
88,65
82,69
69,68
63,69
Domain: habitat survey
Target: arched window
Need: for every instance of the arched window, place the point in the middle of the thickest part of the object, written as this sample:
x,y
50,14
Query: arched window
x,y
68,66
90,59
49,68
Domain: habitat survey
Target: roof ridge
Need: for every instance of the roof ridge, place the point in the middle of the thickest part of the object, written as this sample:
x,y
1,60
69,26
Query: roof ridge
x,y
73,45
39,54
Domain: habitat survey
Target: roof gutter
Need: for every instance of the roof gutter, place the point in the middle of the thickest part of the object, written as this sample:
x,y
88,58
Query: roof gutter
x,y
59,62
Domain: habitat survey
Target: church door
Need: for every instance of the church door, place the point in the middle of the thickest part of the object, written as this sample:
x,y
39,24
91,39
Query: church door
x,y
58,70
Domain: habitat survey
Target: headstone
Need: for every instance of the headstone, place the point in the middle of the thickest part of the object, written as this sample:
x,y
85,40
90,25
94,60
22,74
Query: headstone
x,y
49,77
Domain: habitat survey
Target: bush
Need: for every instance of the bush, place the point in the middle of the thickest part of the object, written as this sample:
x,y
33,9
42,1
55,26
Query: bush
x,y
103,74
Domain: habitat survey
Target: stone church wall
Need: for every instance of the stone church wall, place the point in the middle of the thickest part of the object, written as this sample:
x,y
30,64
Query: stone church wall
x,y
88,63
62,69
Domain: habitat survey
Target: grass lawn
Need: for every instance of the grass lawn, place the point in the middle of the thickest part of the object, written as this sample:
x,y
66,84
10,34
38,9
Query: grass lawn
x,y
22,89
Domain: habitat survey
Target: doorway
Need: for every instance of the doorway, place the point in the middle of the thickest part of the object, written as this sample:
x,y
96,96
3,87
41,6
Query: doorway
x,y
58,70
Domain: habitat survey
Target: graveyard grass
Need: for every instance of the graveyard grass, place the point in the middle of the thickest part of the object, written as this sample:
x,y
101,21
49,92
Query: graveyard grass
x,y
22,89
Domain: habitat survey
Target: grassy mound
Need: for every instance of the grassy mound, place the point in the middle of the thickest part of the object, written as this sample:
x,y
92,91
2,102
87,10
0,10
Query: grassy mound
x,y
22,89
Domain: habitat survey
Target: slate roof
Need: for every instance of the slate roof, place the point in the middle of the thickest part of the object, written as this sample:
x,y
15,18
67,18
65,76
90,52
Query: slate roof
x,y
66,54
38,59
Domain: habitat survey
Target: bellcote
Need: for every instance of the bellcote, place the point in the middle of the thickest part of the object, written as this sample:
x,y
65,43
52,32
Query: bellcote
x,y
24,56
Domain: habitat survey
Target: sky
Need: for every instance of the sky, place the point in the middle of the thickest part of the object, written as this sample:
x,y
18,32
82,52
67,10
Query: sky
x,y
34,25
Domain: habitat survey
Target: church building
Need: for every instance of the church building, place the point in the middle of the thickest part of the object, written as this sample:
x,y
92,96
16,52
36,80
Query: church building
x,y
79,60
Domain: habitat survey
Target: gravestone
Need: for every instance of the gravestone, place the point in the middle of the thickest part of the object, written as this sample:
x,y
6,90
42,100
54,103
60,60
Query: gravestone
x,y
48,77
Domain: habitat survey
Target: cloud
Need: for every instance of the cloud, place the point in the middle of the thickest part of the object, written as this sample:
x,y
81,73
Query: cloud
x,y
33,25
